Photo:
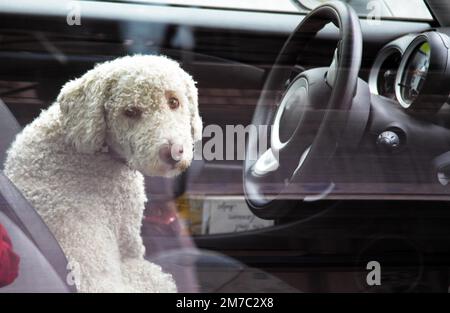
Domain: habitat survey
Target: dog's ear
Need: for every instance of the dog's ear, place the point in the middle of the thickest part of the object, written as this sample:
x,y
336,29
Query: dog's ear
x,y
196,121
82,104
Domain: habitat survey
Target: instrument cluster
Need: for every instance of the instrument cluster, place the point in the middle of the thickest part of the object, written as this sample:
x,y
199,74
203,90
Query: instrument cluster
x,y
415,71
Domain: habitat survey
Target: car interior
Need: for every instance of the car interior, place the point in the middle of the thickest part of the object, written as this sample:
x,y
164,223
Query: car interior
x,y
363,168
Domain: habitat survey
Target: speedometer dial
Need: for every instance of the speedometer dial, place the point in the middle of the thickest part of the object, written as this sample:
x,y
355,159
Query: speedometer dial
x,y
415,73
423,78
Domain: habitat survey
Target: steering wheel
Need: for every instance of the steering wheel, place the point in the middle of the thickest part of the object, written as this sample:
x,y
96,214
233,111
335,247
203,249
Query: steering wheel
x,y
308,124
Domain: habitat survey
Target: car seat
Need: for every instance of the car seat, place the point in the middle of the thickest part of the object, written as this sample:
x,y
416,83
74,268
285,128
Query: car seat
x,y
43,265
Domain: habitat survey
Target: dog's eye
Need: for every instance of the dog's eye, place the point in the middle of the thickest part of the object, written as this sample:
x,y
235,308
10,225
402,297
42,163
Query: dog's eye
x,y
132,112
174,103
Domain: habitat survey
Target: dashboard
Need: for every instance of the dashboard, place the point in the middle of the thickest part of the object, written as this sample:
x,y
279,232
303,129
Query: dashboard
x,y
414,70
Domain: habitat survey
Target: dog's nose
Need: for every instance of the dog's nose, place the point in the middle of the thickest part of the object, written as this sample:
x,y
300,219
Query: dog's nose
x,y
171,153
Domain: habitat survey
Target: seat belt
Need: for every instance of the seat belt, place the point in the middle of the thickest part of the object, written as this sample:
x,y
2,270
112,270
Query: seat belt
x,y
26,217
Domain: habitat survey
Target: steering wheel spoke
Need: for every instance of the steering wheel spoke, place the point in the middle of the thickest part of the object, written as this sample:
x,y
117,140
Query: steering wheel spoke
x,y
266,164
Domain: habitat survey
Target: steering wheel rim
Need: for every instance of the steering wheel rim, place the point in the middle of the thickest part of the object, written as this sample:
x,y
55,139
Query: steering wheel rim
x,y
342,78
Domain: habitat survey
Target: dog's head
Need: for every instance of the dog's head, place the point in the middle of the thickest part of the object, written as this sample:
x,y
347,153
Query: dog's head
x,y
144,108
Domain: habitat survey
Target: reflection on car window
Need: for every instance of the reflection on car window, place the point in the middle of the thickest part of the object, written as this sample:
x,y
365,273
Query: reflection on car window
x,y
259,5
404,9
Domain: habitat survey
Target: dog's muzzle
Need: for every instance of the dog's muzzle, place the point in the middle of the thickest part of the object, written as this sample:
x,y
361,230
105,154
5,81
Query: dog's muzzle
x,y
171,154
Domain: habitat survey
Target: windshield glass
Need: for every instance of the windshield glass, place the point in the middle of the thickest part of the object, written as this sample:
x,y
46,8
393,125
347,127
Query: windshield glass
x,y
404,9
401,9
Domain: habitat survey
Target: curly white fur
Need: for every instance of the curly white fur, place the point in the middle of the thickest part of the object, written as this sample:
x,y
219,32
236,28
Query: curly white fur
x,y
93,200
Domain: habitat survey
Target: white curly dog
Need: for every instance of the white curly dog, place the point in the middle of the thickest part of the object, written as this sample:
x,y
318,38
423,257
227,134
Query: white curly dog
x,y
80,163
